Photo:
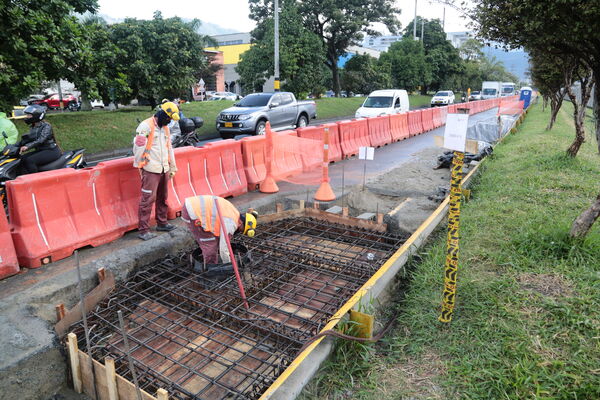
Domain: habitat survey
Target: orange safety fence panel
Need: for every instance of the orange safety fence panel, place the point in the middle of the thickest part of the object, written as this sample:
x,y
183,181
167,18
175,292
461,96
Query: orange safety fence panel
x,y
316,133
399,126
286,160
427,119
415,124
379,131
353,134
510,107
9,264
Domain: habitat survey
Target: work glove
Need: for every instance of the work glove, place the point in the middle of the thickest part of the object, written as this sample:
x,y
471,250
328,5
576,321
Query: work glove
x,y
140,140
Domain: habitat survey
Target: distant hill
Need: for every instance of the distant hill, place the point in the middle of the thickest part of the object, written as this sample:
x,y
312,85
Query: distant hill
x,y
515,61
206,28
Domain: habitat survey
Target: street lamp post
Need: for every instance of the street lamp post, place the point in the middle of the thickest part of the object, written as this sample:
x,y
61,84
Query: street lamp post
x,y
414,22
276,84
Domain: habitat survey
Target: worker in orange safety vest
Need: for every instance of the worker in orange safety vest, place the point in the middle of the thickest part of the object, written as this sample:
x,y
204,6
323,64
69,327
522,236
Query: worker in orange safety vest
x,y
200,213
154,157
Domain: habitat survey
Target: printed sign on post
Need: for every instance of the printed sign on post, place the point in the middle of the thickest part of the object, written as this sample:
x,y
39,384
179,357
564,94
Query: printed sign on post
x,y
366,153
455,135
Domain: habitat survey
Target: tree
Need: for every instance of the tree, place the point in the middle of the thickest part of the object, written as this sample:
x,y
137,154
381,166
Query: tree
x,y
548,78
36,40
565,28
300,57
443,59
408,65
159,57
364,74
338,23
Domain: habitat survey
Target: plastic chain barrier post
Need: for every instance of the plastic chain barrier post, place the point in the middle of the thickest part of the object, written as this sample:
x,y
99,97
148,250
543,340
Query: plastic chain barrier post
x,y
324,192
254,156
231,165
316,133
379,131
8,256
268,185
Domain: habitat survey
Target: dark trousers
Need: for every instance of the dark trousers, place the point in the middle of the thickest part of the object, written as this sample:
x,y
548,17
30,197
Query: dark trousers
x,y
32,161
154,190
209,243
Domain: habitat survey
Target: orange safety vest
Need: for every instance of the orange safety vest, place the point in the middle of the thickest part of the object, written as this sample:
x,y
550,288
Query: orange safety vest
x,y
203,209
146,155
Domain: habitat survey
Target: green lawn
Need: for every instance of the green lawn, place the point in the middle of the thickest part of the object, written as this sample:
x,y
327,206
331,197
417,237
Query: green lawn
x,y
527,319
100,130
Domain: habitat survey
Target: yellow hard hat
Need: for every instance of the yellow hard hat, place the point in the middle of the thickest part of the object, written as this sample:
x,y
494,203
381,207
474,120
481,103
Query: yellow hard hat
x,y
171,109
250,223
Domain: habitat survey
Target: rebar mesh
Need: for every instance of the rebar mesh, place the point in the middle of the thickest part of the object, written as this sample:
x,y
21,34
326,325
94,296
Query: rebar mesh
x,y
192,335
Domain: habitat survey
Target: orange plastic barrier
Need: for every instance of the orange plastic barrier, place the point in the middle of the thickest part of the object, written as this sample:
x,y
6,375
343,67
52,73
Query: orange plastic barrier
x,y
427,119
379,130
443,115
399,126
231,166
353,134
415,124
8,257
316,133
53,213
253,155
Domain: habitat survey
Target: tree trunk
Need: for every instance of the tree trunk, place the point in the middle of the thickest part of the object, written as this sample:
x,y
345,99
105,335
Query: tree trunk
x,y
544,103
153,103
578,119
335,75
596,106
585,220
85,102
555,104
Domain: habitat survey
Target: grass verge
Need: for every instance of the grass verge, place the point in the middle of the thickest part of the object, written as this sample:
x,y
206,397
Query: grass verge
x,y
527,322
101,130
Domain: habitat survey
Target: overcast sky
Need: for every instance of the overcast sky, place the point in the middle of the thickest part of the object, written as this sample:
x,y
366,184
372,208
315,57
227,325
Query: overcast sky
x,y
233,14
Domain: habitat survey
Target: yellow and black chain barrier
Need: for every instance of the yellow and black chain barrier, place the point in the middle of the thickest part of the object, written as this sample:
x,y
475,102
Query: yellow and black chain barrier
x,y
451,269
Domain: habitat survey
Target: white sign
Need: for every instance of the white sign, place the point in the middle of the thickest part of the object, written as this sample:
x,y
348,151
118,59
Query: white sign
x,y
455,135
366,153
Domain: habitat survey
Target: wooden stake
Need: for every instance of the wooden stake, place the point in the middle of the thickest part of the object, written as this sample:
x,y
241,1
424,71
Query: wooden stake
x,y
344,211
316,205
301,206
101,274
74,360
60,311
111,379
162,394
380,218
278,208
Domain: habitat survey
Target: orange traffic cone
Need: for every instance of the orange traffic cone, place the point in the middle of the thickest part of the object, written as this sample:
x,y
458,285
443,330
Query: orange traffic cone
x,y
324,192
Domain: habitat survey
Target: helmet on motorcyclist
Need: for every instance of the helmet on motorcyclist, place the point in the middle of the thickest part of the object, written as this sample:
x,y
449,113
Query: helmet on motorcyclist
x,y
34,113
198,122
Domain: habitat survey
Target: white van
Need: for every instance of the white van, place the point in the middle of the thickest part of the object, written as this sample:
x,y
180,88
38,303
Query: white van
x,y
384,102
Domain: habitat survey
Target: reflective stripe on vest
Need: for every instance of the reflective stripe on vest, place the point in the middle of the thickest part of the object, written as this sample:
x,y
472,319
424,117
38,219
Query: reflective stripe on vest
x,y
150,141
203,210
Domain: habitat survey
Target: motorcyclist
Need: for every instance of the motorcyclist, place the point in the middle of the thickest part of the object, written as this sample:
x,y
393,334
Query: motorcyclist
x,y
40,138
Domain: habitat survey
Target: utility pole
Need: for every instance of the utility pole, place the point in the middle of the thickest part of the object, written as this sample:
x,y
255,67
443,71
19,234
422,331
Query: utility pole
x,y
422,29
415,22
444,20
276,84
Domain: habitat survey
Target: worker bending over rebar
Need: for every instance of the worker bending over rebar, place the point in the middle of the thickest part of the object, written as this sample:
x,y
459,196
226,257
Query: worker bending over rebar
x,y
201,215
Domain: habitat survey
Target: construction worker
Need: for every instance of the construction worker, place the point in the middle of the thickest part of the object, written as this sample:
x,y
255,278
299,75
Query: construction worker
x,y
200,213
154,158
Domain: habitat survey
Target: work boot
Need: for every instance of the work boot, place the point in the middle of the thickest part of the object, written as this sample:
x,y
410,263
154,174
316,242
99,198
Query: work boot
x,y
146,235
165,228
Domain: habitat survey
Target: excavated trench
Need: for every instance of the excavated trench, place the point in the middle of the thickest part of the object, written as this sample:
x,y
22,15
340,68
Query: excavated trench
x,y
189,333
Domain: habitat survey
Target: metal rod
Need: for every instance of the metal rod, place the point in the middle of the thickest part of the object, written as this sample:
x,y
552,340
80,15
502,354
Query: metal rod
x,y
129,359
85,324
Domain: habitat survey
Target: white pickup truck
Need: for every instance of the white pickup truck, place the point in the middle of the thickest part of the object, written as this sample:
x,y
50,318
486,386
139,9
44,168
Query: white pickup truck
x,y
250,115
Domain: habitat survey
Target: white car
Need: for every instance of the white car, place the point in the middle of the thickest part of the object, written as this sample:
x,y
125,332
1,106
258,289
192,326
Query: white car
x,y
442,98
224,96
383,102
97,103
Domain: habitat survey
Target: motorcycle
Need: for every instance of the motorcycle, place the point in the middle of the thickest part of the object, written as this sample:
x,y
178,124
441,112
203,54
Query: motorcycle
x,y
10,164
187,135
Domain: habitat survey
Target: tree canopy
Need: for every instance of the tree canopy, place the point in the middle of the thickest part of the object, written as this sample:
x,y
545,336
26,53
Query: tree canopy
x,y
364,74
338,23
301,56
37,40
